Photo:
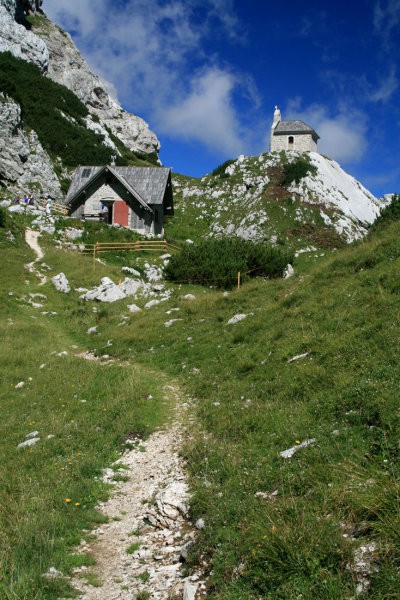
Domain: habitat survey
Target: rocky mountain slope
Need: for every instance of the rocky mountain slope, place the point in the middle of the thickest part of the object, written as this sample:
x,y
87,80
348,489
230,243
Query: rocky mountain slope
x,y
255,198
26,33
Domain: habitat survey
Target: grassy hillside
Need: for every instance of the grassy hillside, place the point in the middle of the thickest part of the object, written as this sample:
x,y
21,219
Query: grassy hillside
x,y
315,359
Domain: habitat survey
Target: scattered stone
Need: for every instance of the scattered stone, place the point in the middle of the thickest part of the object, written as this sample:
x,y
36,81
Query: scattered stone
x,y
61,283
171,322
32,434
131,271
289,453
189,241
29,442
189,591
133,308
52,573
237,318
266,495
189,297
152,272
200,524
73,234
152,303
20,385
289,272
298,357
92,330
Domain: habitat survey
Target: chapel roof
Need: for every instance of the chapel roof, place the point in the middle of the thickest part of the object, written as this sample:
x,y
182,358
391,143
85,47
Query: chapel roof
x,y
285,127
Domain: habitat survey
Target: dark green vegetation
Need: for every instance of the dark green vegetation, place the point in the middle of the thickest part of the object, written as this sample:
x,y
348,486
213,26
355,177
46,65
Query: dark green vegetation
x,y
57,116
276,528
389,213
296,170
217,262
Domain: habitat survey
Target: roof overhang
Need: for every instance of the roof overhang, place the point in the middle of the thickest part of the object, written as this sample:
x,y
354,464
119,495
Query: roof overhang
x,y
118,177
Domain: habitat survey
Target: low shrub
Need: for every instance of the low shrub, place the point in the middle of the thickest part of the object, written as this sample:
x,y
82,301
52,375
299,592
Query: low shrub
x,y
3,216
389,213
217,262
297,169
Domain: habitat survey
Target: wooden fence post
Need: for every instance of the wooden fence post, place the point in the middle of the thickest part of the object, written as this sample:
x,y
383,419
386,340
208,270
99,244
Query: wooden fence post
x,y
94,255
238,280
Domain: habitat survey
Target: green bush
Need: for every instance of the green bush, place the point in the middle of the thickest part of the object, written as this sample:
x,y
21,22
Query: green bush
x,y
389,213
3,216
217,262
297,169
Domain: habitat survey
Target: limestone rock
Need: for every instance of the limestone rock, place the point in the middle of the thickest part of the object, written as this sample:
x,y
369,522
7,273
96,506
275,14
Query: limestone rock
x,y
189,591
68,67
23,161
19,41
289,272
61,283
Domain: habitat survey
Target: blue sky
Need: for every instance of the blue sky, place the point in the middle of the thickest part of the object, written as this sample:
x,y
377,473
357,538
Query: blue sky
x,y
206,75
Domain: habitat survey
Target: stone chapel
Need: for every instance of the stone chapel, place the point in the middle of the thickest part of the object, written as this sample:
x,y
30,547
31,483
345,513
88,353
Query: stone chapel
x,y
292,135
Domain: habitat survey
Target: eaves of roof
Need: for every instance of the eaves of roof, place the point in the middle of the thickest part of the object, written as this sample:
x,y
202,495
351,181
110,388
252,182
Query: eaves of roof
x,y
120,178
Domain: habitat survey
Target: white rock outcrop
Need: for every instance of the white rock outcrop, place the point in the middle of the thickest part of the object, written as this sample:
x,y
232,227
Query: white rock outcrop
x,y
24,164
15,38
61,283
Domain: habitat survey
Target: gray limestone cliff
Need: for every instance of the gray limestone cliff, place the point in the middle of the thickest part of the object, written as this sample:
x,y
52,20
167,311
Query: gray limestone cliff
x,y
23,161
24,164
67,66
15,38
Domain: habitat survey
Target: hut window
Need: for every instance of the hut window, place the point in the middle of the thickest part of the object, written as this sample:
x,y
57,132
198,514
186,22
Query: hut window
x,y
291,140
86,172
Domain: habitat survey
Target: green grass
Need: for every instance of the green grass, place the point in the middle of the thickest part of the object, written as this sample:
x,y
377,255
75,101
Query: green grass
x,y
82,410
251,404
275,528
132,548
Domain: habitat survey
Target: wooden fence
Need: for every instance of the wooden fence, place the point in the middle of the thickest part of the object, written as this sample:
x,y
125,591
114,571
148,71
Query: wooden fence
x,y
57,208
138,246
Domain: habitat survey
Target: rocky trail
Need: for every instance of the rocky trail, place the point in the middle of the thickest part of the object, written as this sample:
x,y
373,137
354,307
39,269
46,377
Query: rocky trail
x,y
140,551
31,238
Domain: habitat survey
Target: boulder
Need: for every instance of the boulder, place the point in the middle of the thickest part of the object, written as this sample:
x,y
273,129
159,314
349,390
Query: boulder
x,y
61,283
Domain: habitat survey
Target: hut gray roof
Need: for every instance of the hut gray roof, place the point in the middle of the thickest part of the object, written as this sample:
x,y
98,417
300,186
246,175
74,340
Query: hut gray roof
x,y
147,184
287,127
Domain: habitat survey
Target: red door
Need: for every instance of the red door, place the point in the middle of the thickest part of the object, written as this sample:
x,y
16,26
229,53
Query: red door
x,y
121,213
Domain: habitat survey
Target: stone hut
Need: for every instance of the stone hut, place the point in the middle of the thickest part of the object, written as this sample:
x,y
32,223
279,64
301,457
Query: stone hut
x,y
139,198
292,135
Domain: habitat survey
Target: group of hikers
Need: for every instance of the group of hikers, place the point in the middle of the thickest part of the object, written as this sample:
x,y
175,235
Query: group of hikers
x,y
29,200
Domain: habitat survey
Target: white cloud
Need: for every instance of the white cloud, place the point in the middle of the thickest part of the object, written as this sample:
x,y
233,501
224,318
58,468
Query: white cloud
x,y
386,20
342,135
386,88
154,52
207,113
